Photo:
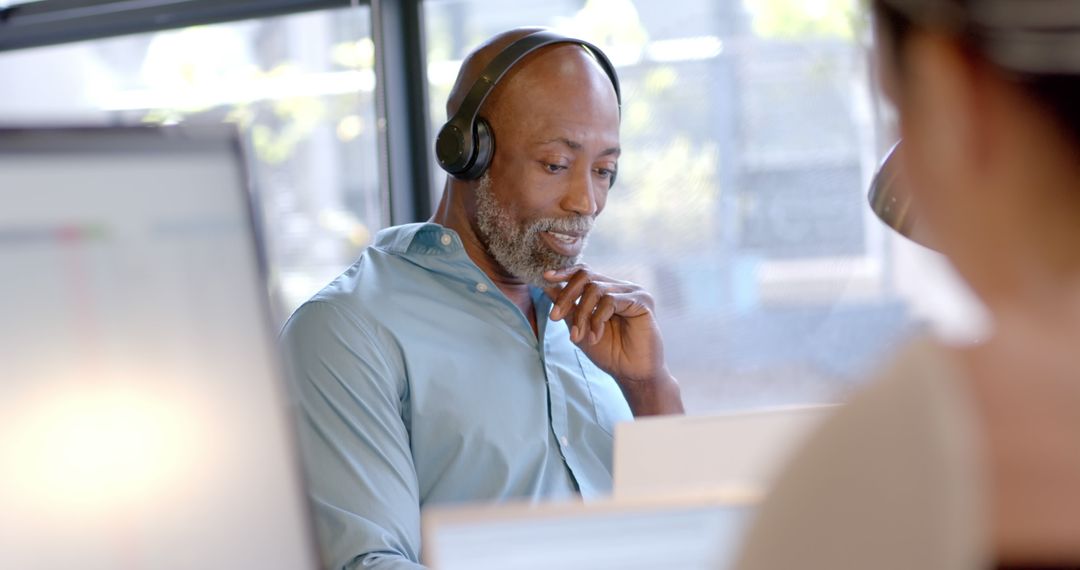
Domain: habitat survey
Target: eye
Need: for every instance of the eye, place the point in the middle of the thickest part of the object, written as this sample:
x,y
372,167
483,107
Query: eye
x,y
606,170
552,167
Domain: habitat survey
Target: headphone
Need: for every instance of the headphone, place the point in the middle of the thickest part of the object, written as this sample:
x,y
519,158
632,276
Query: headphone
x,y
465,143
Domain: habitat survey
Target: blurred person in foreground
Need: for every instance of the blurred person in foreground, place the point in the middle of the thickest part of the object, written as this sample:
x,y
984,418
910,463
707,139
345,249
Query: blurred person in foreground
x,y
964,457
434,370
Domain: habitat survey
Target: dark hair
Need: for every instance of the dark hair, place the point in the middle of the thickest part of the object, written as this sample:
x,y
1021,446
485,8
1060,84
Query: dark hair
x,y
1059,93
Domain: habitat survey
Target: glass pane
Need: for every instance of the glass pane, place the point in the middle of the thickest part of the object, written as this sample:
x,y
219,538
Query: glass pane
x,y
750,132
301,89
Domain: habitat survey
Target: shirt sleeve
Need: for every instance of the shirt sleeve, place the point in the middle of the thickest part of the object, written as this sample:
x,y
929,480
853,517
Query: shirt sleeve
x,y
353,440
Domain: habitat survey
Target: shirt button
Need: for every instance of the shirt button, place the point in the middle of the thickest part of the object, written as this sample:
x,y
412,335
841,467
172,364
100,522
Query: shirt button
x,y
481,288
563,440
446,239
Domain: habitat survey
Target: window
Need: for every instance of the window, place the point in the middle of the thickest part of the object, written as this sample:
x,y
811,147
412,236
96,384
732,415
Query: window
x,y
751,129
299,87
750,133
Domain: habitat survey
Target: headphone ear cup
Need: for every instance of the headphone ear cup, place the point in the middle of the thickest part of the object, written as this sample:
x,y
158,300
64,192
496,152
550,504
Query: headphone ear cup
x,y
483,149
450,149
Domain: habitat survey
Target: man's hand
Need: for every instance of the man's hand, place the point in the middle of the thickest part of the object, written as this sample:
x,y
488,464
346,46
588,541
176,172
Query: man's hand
x,y
613,323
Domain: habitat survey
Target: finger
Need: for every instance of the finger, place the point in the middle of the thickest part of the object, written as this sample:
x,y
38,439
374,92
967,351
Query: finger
x,y
631,304
597,334
552,291
566,298
563,274
589,298
605,309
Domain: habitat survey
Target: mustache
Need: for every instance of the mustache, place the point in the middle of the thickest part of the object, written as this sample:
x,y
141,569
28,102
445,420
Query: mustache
x,y
576,224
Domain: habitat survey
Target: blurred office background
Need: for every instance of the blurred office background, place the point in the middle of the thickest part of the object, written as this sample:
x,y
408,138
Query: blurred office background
x,y
751,129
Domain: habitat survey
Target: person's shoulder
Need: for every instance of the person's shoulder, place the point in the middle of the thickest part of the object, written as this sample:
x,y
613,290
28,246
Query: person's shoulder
x,y
923,380
378,292
378,267
322,329
914,408
323,316
888,481
410,238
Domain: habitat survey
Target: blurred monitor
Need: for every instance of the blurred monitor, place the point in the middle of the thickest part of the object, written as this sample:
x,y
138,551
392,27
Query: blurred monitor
x,y
688,533
731,453
143,423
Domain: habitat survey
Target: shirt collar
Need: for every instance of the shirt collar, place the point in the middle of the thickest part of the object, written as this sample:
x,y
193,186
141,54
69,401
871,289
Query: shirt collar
x,y
439,249
419,239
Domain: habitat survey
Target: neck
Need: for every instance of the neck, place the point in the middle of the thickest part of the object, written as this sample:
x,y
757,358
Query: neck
x,y
454,213
1025,254
1025,393
1033,282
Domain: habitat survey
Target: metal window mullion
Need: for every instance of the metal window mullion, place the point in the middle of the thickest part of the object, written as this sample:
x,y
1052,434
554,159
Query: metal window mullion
x,y
401,103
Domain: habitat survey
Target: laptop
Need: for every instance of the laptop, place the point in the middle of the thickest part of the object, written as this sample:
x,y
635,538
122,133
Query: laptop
x,y
735,452
688,533
143,420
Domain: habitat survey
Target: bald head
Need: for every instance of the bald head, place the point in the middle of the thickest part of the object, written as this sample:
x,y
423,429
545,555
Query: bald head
x,y
477,60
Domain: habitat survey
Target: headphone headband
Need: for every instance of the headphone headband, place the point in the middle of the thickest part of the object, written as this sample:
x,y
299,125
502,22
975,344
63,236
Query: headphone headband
x,y
460,148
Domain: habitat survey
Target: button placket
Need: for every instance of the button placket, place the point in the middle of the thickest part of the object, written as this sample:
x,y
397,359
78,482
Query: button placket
x,y
559,421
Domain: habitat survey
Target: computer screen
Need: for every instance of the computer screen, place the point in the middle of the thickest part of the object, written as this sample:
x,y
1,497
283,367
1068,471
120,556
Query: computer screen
x,y
688,532
143,422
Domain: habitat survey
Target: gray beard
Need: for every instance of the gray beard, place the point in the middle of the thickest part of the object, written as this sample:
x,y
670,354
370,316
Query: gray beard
x,y
518,247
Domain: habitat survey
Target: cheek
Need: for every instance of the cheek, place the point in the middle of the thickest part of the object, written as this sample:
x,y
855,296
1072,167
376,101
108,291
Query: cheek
x,y
918,158
518,182
601,200
935,180
537,195
517,199
884,69
926,148
923,174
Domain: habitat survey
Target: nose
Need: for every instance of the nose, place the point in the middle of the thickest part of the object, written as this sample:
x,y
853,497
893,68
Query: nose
x,y
580,197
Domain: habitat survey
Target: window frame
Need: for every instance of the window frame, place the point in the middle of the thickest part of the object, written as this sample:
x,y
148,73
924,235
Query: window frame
x,y
397,31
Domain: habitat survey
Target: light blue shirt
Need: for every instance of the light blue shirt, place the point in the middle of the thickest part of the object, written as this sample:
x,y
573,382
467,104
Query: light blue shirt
x,y
420,383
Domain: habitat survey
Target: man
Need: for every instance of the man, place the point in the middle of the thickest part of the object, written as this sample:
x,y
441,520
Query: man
x,y
433,370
